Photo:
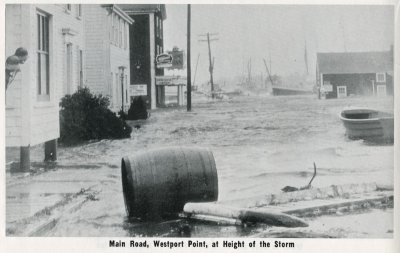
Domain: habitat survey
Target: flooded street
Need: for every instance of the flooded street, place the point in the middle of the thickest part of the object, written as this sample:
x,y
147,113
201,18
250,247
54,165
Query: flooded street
x,y
260,145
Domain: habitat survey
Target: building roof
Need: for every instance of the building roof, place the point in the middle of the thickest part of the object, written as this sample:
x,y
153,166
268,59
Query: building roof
x,y
355,62
144,9
114,8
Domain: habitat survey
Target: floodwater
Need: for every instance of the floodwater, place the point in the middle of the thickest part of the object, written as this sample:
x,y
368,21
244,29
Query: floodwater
x,y
260,144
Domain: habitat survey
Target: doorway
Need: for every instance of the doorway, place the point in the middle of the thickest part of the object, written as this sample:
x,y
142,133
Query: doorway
x,y
341,91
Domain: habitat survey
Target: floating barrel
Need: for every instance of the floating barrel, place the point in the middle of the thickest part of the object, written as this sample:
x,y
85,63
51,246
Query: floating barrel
x,y
158,183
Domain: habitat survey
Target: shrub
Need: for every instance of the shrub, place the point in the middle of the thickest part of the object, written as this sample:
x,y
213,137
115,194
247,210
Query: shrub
x,y
85,116
122,115
137,110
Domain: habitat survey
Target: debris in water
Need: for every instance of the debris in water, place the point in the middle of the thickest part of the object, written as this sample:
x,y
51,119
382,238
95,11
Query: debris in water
x,y
292,189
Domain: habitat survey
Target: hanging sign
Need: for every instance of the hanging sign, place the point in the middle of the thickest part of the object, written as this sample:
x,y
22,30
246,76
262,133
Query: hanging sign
x,y
164,61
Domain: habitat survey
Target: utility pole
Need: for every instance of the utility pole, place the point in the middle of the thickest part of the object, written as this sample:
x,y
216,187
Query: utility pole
x,y
195,70
211,67
189,74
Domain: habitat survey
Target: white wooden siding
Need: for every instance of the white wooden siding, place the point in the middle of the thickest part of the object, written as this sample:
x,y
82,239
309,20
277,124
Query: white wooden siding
x,y
103,55
33,122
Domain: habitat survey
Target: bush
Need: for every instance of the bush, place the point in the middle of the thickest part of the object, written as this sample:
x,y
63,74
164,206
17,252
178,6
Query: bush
x,y
137,110
122,115
85,116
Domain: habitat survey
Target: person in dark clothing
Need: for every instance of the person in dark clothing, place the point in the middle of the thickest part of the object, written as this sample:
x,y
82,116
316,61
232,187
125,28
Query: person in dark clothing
x,y
12,68
12,64
22,54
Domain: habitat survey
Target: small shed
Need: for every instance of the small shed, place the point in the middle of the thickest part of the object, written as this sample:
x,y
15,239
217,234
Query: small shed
x,y
355,74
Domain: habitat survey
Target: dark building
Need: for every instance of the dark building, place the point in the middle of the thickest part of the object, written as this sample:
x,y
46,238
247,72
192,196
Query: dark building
x,y
355,74
146,42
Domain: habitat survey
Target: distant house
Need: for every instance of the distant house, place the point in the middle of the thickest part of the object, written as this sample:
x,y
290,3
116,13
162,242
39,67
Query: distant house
x,y
54,37
146,43
356,73
107,66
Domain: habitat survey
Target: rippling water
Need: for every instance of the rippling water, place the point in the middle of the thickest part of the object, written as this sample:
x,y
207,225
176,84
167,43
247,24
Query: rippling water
x,y
260,145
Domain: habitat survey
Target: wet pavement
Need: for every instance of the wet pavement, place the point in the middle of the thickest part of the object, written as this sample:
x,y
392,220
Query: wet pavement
x,y
260,144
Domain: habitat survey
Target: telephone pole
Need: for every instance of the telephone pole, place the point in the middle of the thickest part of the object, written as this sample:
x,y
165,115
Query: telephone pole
x,y
211,66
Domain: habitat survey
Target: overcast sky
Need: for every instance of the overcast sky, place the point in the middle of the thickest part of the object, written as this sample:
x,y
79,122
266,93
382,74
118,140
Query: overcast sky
x,y
279,31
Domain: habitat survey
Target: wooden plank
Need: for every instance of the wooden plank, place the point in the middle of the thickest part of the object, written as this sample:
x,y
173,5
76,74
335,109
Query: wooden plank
x,y
245,215
336,206
213,219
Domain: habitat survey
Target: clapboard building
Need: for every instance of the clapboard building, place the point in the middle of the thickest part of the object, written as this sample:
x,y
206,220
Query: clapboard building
x,y
69,46
54,37
145,44
107,53
355,74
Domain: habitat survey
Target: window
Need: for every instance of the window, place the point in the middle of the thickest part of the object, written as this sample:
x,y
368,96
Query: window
x,y
157,27
69,69
115,29
126,88
110,85
127,35
161,28
120,33
116,88
68,8
111,28
80,68
79,10
380,77
43,75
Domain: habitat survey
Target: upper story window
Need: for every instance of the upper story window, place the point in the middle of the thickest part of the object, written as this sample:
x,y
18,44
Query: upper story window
x,y
120,33
68,7
111,22
79,10
115,29
380,77
156,21
161,28
125,27
43,66
80,68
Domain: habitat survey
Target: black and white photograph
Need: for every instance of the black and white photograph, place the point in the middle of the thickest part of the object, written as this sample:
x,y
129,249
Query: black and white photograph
x,y
198,121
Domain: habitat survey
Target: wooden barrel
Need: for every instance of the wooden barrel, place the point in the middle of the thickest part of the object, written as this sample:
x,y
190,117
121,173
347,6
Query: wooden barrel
x,y
158,183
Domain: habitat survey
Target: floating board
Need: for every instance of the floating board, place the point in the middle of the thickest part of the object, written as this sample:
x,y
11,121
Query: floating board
x,y
243,214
